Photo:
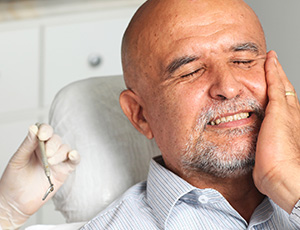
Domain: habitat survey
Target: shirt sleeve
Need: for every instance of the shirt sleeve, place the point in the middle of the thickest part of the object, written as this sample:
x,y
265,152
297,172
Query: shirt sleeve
x,y
295,215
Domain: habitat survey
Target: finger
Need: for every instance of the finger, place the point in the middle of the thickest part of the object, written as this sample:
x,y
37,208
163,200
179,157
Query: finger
x,y
60,156
291,99
74,157
29,144
287,84
52,145
276,88
45,132
73,160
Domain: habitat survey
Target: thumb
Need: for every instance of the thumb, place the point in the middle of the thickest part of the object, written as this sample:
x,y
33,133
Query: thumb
x,y
28,146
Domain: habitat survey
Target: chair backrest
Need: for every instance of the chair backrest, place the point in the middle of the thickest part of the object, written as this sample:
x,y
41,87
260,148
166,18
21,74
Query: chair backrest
x,y
114,156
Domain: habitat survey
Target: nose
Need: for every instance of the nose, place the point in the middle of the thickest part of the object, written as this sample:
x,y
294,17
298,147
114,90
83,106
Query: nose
x,y
225,85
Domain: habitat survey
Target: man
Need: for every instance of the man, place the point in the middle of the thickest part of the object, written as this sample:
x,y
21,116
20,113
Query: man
x,y
201,82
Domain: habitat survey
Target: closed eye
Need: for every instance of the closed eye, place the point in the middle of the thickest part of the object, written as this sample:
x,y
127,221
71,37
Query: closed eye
x,y
244,63
192,74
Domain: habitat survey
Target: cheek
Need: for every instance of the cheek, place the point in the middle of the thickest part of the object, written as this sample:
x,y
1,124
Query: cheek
x,y
175,115
183,104
256,84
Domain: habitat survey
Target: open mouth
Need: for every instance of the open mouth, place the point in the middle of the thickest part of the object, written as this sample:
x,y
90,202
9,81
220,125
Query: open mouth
x,y
235,117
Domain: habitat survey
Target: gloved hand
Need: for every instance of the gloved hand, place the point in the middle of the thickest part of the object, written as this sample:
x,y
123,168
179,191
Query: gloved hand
x,y
24,182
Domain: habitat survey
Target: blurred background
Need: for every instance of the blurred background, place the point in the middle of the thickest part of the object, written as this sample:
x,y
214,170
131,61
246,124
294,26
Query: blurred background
x,y
47,44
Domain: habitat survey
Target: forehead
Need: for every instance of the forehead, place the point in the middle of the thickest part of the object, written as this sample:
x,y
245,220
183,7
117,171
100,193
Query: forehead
x,y
198,42
198,25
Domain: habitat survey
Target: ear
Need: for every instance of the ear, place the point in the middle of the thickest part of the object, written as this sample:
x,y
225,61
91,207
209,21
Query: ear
x,y
131,106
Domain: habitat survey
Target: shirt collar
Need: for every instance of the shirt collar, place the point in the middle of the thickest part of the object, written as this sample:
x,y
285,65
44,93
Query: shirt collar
x,y
164,189
263,212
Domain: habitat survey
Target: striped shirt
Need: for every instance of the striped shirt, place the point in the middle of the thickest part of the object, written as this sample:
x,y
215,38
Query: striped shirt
x,y
166,201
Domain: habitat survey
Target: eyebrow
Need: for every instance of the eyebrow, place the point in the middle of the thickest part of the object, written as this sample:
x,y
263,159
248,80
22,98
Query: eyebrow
x,y
177,63
248,46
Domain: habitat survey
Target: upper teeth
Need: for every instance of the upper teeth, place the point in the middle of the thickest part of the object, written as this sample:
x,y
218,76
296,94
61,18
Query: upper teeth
x,y
234,117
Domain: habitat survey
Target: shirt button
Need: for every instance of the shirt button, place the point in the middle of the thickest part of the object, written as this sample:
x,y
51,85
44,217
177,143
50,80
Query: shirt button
x,y
203,199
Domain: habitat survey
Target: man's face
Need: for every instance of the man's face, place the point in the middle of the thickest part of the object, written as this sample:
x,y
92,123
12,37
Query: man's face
x,y
206,89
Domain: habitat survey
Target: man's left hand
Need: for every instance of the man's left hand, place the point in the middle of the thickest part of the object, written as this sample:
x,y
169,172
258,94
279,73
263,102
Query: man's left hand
x,y
277,164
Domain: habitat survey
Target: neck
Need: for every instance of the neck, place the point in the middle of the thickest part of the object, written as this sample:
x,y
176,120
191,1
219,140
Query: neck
x,y
240,192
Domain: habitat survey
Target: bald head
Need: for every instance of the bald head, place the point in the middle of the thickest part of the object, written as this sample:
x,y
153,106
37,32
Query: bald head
x,y
180,59
158,23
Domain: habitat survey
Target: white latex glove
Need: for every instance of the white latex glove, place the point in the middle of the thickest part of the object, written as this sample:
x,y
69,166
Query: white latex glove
x,y
24,182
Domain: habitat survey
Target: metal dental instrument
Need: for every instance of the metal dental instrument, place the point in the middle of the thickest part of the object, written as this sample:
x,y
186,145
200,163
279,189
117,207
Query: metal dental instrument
x,y
46,166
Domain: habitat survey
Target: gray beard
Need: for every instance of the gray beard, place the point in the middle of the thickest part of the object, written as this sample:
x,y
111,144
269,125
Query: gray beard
x,y
226,160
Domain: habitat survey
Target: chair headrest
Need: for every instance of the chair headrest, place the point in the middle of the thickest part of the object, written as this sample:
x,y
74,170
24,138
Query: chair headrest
x,y
114,156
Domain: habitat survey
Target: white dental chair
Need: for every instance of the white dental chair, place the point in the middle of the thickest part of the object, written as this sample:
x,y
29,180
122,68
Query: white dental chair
x,y
114,156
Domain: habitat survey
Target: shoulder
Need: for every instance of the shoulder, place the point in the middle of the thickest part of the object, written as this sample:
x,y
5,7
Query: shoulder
x,y
282,219
130,211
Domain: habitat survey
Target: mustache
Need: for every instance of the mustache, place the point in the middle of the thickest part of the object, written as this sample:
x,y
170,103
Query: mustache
x,y
203,154
218,108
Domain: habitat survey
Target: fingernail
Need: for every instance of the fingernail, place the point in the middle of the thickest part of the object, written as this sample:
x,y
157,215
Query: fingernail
x,y
33,129
43,136
74,156
275,61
